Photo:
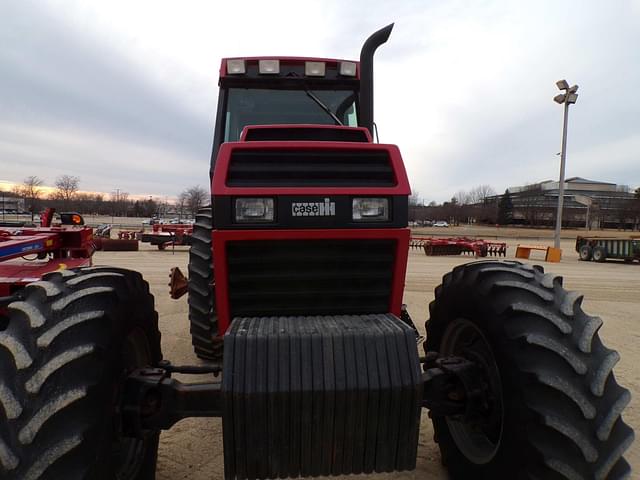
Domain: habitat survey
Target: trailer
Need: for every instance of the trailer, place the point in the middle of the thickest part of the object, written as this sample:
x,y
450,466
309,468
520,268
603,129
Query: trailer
x,y
600,249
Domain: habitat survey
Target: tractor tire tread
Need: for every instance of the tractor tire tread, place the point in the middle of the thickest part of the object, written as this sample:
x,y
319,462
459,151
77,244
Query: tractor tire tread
x,y
201,301
55,357
558,365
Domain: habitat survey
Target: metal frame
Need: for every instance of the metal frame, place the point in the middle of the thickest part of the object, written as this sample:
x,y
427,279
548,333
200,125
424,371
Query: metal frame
x,y
65,246
154,400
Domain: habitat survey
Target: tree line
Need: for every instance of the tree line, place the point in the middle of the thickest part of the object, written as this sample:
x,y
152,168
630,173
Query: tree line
x,y
464,207
529,207
67,196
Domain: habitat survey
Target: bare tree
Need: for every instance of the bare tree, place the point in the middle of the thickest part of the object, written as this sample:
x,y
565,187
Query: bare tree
x,y
414,198
193,199
461,198
66,188
119,201
30,189
480,193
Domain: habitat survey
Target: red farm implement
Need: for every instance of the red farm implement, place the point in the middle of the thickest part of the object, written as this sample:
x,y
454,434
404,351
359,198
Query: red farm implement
x,y
434,246
28,253
165,235
127,241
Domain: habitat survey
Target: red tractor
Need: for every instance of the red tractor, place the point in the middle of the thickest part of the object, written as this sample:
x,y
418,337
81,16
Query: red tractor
x,y
296,279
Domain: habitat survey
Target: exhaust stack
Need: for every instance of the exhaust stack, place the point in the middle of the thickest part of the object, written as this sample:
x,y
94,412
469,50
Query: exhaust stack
x,y
366,75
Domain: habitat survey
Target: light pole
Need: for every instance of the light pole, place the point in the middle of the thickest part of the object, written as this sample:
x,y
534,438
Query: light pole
x,y
568,97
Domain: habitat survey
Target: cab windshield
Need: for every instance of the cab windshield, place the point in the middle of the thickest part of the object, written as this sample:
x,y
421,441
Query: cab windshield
x,y
273,107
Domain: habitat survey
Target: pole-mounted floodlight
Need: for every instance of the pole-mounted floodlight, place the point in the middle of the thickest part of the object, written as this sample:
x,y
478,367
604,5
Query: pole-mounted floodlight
x,y
567,98
559,98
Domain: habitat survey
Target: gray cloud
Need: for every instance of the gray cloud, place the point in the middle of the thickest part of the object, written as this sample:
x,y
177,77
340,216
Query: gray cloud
x,y
53,79
464,88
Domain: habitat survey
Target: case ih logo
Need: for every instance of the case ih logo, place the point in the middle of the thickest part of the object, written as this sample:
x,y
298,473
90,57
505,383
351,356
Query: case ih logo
x,y
314,209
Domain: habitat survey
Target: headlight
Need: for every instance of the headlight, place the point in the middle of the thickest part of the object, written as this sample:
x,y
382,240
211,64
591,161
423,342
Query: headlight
x,y
254,210
370,209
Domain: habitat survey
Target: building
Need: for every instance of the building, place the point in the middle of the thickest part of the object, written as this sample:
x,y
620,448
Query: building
x,y
600,204
11,203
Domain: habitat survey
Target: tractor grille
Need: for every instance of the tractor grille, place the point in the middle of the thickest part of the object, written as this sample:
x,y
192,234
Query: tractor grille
x,y
310,277
315,168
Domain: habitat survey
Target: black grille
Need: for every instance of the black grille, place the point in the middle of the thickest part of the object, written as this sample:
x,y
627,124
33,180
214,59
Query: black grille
x,y
310,277
306,134
330,168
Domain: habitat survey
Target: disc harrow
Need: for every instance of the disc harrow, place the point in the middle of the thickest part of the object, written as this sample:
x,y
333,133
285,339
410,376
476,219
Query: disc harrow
x,y
433,246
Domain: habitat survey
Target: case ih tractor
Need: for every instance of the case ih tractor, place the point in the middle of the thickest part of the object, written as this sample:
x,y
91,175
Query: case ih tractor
x,y
296,278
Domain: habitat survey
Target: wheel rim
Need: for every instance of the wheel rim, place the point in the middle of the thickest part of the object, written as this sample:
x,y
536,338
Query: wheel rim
x,y
128,452
479,439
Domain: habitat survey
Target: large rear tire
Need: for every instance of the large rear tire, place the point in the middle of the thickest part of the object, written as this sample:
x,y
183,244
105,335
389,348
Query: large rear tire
x,y
553,405
202,311
64,356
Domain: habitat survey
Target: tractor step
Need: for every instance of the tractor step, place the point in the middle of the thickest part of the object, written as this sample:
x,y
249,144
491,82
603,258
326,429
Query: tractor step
x,y
320,395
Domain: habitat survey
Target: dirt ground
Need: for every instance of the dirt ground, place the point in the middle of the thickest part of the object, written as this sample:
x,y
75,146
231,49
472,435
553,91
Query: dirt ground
x,y
193,448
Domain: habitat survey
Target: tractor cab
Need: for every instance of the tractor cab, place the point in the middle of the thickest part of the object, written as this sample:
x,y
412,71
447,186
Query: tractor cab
x,y
296,91
286,91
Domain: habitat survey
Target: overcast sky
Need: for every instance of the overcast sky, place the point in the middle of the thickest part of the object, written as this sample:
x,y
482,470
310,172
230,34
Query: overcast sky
x,y
123,93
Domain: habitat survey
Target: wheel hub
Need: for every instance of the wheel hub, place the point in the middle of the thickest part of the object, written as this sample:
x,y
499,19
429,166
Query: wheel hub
x,y
477,432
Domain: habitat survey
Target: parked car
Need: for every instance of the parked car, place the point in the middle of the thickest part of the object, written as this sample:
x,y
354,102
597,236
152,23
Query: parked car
x,y
441,223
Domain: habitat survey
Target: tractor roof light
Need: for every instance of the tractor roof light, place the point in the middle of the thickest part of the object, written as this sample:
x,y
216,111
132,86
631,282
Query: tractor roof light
x,y
348,69
314,69
236,67
269,67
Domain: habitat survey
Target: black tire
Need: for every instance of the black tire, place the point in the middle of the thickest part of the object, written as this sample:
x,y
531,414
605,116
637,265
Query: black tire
x,y
202,312
585,253
599,254
64,355
554,406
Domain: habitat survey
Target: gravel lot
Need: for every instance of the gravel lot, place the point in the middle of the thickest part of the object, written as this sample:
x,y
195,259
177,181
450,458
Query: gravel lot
x,y
193,448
